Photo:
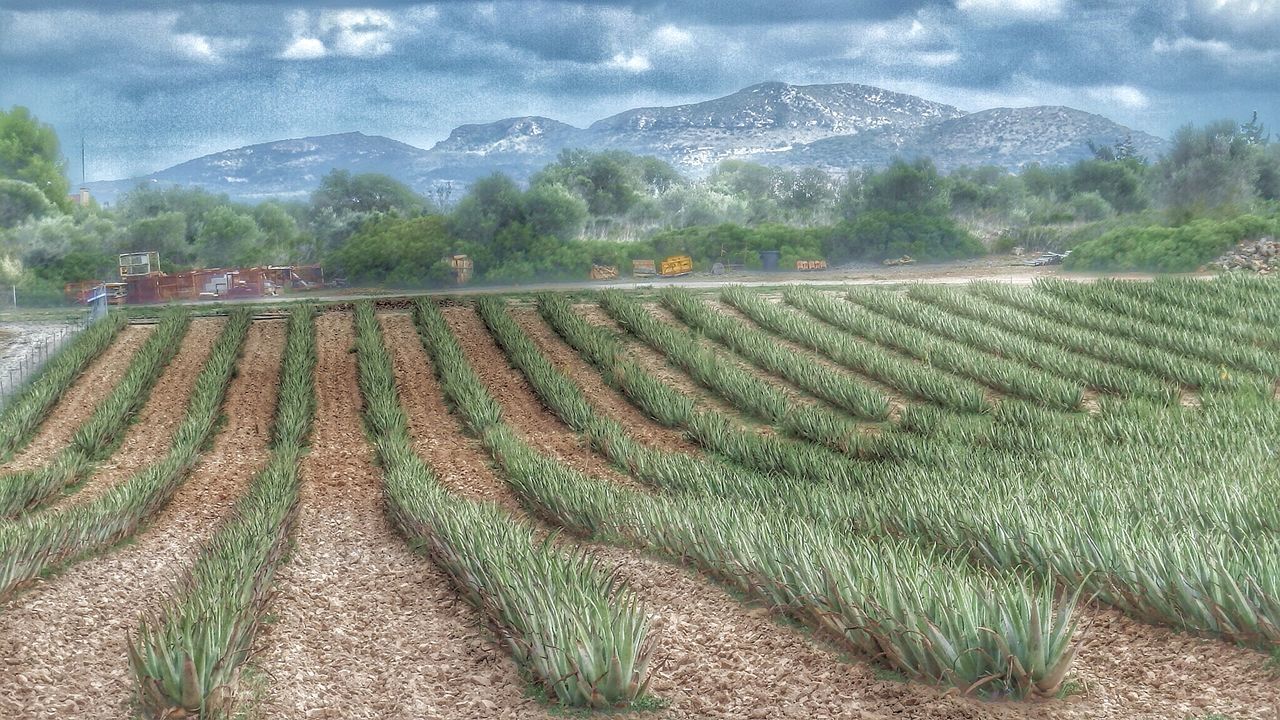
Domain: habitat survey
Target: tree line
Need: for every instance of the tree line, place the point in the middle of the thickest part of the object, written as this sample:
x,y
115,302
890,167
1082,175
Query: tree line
x,y
1217,184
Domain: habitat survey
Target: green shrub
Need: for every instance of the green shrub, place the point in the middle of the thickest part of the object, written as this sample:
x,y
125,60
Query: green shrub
x,y
1167,249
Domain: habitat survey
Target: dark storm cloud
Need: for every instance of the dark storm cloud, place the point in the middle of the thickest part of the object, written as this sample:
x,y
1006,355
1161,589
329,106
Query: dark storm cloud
x,y
255,70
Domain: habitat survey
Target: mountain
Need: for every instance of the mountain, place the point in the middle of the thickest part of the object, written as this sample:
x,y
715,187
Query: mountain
x,y
766,118
286,168
835,127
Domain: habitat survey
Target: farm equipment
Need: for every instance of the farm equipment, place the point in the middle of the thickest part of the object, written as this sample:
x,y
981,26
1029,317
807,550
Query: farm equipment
x,y
1048,258
904,260
604,272
675,266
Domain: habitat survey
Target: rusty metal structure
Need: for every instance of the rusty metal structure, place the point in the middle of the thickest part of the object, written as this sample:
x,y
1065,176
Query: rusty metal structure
x,y
142,282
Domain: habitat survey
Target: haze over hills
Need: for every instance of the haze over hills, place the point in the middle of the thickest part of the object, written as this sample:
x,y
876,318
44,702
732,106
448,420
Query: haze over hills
x,y
835,127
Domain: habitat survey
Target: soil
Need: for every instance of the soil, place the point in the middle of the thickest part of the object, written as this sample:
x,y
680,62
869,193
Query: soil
x,y
151,434
457,459
606,400
79,401
655,363
520,404
792,393
366,628
62,644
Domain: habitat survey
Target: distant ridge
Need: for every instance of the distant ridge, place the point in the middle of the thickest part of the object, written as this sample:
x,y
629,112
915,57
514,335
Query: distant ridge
x,y
836,127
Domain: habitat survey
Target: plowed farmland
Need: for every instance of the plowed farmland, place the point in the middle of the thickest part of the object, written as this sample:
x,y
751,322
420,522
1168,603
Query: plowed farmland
x,y
981,501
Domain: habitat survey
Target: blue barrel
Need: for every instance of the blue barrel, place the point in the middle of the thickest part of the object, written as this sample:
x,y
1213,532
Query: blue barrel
x,y
769,259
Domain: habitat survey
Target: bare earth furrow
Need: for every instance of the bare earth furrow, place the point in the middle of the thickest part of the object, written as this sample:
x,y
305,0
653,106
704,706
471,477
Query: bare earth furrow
x,y
608,401
366,628
63,642
80,400
149,437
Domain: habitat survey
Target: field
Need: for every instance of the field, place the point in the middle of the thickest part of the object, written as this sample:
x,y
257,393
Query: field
x,y
929,501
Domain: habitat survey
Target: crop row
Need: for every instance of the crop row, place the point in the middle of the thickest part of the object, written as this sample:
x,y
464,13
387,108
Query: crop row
x,y
1103,376
996,372
925,614
1112,296
840,389
1198,362
187,657
914,380
34,543
1237,297
666,404
743,390
97,437
1182,332
24,413
659,467
570,627
979,305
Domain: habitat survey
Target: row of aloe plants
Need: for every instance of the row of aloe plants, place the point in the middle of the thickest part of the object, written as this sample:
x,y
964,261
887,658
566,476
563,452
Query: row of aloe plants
x,y
24,413
1103,376
659,467
1109,295
978,304
664,403
570,626
1178,334
186,658
911,379
34,543
999,373
838,388
94,441
1121,506
1249,300
925,614
1160,533
742,389
1202,361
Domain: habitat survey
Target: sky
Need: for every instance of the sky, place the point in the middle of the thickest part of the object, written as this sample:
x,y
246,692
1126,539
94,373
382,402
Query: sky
x,y
151,83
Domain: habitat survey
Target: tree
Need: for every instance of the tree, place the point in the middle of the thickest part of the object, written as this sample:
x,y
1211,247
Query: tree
x,y
229,238
165,234
371,192
21,201
29,152
1118,182
907,188
553,210
406,252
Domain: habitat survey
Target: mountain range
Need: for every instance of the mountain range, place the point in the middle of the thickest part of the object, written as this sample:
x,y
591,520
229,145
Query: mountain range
x,y
834,127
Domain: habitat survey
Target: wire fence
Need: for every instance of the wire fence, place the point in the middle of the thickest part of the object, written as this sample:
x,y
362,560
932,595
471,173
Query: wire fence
x,y
19,370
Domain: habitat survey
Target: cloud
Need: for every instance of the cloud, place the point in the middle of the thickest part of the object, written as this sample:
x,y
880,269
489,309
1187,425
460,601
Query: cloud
x,y
1013,10
304,48
632,62
1125,96
358,33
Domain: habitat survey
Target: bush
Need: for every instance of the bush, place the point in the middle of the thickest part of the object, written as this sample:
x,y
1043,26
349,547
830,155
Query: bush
x,y
1166,249
876,236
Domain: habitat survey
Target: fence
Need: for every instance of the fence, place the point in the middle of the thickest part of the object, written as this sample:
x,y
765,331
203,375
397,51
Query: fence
x,y
16,371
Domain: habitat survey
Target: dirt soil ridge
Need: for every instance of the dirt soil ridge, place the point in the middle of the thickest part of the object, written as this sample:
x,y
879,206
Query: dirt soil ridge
x,y
62,644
